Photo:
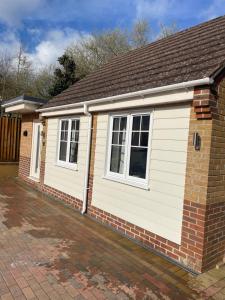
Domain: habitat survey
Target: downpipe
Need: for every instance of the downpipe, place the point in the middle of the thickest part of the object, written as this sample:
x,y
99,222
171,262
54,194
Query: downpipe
x,y
88,154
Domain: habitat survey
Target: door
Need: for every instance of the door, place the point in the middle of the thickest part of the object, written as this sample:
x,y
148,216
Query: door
x,y
36,151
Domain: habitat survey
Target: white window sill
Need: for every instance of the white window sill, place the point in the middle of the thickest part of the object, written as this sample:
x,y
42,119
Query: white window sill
x,y
34,179
67,166
140,185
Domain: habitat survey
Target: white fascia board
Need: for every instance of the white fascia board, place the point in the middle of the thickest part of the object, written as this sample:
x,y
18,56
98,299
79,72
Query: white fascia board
x,y
21,108
171,97
142,93
20,101
63,112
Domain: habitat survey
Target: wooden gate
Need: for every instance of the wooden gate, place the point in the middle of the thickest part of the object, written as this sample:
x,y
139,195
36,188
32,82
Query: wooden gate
x,y
9,138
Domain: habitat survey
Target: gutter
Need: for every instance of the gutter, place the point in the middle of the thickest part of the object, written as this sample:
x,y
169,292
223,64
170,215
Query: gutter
x,y
88,154
182,85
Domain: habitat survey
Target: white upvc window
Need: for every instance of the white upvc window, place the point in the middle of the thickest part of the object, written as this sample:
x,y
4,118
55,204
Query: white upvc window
x,y
68,142
128,149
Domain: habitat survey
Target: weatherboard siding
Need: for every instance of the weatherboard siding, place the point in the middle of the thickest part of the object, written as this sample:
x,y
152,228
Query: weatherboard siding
x,y
159,209
68,181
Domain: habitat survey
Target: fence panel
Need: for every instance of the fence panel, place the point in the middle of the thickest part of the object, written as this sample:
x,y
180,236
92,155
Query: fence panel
x,y
9,138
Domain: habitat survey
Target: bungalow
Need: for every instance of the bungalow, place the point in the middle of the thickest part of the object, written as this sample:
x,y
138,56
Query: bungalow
x,y
139,145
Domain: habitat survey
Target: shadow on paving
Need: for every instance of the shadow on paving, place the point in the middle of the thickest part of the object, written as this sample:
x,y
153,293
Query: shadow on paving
x,y
78,250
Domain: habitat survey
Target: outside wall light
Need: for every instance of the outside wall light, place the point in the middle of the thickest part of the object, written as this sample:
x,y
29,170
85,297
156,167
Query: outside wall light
x,y
25,133
196,141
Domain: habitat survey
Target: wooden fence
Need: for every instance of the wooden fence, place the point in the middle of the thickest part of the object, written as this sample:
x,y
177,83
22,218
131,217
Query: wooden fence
x,y
9,138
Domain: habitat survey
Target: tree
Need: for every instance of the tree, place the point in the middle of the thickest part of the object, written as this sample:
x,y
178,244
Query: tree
x,y
5,73
140,34
23,73
168,30
64,76
17,76
43,79
93,51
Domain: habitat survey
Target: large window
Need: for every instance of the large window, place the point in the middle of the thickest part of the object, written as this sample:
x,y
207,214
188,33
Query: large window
x,y
128,148
68,141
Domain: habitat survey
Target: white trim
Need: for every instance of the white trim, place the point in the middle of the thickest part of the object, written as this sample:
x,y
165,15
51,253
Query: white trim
x,y
32,175
66,164
125,177
142,93
141,185
22,102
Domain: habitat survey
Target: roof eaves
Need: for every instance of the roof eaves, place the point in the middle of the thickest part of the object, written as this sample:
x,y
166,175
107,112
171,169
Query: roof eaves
x,y
187,84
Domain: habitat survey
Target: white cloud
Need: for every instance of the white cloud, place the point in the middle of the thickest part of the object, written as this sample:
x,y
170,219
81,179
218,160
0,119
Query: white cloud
x,y
9,42
12,12
215,9
154,9
53,46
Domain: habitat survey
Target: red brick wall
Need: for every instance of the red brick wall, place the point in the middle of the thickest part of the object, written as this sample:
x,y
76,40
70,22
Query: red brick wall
x,y
214,248
26,144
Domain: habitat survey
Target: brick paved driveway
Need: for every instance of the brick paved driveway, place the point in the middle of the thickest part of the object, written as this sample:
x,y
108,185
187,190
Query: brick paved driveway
x,y
50,251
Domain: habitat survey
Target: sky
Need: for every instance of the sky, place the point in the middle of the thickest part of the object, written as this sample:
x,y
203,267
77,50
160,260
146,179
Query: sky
x,y
46,27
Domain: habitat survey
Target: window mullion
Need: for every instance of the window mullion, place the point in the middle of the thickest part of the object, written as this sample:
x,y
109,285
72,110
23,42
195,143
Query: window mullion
x,y
110,143
127,146
68,140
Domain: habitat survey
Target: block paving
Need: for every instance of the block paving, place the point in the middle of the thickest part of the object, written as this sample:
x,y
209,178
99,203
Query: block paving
x,y
50,251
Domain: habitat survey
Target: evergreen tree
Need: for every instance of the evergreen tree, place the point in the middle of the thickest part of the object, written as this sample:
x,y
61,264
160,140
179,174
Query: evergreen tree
x,y
64,76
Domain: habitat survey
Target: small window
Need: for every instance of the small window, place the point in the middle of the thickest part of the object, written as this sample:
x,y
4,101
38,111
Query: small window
x,y
69,141
118,145
139,146
129,147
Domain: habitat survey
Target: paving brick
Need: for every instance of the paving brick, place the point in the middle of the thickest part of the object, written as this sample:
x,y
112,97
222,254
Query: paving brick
x,y
82,259
28,293
7,296
22,283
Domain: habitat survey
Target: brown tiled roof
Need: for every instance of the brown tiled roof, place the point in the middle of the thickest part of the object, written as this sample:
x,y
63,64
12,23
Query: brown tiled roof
x,y
191,54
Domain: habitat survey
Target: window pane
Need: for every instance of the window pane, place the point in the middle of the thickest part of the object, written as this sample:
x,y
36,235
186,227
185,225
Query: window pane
x,y
64,125
77,124
117,159
62,152
115,138
138,160
122,138
135,139
73,152
64,135
73,125
72,137
144,139
77,136
123,124
145,123
116,123
136,122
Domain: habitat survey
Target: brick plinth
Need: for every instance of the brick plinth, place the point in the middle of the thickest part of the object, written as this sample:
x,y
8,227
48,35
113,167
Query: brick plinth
x,y
24,167
189,253
72,201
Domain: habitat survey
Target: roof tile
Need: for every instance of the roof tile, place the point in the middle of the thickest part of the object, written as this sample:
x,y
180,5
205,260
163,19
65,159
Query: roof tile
x,y
191,54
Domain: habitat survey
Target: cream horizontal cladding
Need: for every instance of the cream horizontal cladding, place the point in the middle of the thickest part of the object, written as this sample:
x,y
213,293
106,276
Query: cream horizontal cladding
x,y
159,209
66,180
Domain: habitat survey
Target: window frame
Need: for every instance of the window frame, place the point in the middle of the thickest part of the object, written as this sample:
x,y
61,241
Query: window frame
x,y
62,163
125,177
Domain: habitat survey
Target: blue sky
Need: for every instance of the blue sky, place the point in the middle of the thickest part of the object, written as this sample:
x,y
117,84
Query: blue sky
x,y
47,27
